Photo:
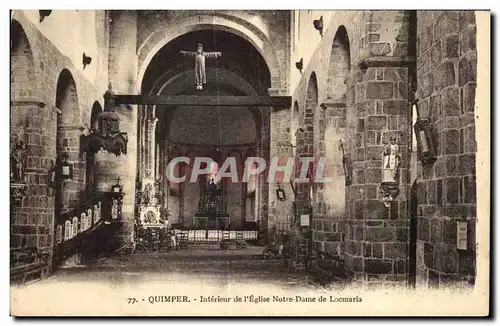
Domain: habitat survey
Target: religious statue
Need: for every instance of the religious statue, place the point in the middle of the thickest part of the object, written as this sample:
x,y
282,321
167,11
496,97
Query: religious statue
x,y
109,100
347,165
391,161
18,158
200,63
212,189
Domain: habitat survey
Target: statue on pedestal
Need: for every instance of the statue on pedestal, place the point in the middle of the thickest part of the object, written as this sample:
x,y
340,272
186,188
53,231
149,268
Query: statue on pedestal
x,y
391,161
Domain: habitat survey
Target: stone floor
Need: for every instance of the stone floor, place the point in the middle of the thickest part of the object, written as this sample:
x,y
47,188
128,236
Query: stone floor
x,y
104,287
204,262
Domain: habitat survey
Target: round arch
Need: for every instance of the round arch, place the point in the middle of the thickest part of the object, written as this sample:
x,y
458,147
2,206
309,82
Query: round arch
x,y
68,139
22,79
96,109
23,71
338,66
294,125
161,36
67,96
311,101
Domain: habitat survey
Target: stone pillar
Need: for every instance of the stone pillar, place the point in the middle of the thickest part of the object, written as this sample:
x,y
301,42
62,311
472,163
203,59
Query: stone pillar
x,y
150,149
264,152
303,205
141,127
122,77
377,238
32,220
163,171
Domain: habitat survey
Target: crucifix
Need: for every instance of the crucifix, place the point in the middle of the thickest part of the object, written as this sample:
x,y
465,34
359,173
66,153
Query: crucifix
x,y
200,63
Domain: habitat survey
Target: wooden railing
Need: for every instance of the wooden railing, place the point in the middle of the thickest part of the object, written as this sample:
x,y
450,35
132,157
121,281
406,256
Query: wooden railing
x,y
104,206
78,225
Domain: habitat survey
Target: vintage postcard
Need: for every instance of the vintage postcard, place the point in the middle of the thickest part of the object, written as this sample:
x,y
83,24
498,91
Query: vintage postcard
x,y
249,163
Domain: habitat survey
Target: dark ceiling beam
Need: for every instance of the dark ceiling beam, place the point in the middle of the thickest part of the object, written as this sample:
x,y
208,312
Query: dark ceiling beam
x,y
278,102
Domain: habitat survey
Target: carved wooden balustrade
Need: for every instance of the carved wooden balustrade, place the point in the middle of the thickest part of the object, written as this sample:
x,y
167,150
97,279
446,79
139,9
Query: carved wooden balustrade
x,y
86,227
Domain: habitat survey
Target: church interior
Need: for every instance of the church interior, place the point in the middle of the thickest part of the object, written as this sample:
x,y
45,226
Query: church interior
x,y
103,100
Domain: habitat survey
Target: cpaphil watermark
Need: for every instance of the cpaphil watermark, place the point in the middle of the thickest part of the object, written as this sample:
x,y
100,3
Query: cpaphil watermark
x,y
279,169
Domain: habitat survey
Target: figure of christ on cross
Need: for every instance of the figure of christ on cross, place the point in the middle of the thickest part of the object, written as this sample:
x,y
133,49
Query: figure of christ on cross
x,y
200,64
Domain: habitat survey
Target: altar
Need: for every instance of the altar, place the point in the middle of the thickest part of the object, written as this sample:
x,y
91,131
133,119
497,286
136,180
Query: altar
x,y
212,208
220,222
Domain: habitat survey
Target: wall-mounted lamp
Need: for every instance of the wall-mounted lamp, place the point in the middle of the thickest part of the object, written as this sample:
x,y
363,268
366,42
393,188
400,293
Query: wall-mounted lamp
x,y
61,170
280,193
86,60
323,106
318,25
426,149
43,14
391,159
66,168
300,65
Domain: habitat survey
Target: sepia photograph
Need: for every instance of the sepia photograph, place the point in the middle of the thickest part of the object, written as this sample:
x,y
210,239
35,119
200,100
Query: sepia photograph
x,y
249,162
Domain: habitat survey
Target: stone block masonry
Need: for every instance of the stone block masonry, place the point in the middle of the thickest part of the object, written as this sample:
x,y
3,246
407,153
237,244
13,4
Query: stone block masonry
x,y
446,71
36,65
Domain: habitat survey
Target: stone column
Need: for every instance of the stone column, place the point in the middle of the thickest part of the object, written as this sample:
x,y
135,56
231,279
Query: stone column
x,y
163,171
377,241
122,77
141,148
263,185
150,149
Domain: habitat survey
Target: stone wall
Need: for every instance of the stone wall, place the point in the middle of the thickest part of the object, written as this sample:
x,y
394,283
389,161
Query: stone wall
x,y
281,215
362,105
446,190
36,65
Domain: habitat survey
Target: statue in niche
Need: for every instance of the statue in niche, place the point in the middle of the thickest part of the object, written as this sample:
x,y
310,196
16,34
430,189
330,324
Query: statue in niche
x,y
391,161
200,64
148,194
18,159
